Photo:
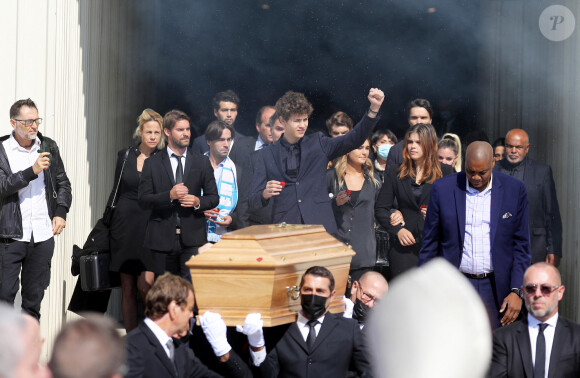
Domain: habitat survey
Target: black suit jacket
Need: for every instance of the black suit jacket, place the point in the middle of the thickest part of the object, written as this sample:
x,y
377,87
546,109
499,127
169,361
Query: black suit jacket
x,y
147,358
156,182
305,199
395,156
400,192
339,344
545,221
512,352
251,216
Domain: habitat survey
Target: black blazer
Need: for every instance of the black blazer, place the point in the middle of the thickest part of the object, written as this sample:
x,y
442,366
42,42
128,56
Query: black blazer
x,y
545,221
250,216
512,356
305,199
395,189
156,182
147,358
339,344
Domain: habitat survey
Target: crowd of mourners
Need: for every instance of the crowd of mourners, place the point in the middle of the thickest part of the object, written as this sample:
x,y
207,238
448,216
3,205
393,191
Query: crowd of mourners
x,y
487,209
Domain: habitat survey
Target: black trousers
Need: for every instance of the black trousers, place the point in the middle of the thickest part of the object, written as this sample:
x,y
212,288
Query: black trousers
x,y
176,258
27,263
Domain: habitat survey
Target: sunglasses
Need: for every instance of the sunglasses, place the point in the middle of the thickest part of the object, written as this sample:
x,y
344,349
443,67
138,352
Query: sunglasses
x,y
544,289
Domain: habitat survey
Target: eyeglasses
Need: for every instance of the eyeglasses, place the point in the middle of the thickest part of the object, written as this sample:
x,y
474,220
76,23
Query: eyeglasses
x,y
546,290
29,122
367,298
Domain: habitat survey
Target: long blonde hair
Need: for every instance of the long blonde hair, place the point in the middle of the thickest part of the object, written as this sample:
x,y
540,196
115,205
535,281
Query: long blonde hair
x,y
368,169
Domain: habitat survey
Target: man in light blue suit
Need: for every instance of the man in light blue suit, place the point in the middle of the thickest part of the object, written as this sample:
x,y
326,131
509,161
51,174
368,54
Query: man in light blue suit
x,y
478,221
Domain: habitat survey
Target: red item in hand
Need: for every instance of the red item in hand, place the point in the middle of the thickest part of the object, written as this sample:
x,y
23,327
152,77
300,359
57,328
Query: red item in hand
x,y
283,184
348,192
423,207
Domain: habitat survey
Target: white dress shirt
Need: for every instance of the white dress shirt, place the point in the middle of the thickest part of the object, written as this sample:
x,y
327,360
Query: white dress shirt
x,y
476,257
33,205
159,334
549,331
259,143
302,323
173,160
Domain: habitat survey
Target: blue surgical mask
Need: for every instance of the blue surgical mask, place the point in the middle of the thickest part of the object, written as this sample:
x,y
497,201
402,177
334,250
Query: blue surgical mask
x,y
383,151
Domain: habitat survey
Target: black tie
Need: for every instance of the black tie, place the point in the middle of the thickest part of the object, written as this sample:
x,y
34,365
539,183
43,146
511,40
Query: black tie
x,y
540,352
311,334
292,163
178,180
179,170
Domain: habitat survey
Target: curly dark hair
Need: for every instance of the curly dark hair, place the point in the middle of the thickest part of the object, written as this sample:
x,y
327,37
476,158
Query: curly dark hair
x,y
225,96
293,103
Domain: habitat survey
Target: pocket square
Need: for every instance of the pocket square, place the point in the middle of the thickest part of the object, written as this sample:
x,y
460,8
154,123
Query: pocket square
x,y
507,215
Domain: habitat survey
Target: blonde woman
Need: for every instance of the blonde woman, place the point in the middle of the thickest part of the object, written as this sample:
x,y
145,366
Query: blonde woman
x,y
449,151
353,187
135,263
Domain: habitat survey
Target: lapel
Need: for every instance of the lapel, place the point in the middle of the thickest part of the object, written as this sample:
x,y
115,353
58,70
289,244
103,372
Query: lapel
x,y
159,351
496,202
525,349
294,332
188,164
407,183
459,195
166,162
326,329
561,338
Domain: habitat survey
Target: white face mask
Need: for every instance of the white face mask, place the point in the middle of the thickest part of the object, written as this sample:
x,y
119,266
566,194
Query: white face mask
x,y
383,151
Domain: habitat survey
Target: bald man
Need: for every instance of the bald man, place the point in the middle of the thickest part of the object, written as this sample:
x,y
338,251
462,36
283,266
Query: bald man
x,y
545,221
365,295
543,344
478,221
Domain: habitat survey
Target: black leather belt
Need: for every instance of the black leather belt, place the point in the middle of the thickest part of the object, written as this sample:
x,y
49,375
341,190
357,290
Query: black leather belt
x,y
479,276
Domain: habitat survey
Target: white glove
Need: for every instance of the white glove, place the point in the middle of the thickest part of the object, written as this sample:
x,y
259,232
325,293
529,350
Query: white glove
x,y
253,329
349,307
215,329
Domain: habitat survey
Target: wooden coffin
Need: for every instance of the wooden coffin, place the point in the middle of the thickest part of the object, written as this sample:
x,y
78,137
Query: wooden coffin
x,y
258,269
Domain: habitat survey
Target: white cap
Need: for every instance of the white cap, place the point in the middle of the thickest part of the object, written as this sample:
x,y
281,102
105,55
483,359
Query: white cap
x,y
431,323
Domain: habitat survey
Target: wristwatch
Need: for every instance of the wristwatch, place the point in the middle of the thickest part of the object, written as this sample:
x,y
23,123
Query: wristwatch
x,y
517,291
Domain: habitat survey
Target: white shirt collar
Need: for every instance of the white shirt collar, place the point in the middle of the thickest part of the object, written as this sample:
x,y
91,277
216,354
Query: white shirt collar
x,y
475,191
14,145
303,320
533,322
170,152
159,333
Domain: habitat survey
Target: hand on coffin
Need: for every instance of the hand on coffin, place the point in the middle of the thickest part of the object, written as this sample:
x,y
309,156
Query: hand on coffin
x,y
215,329
253,329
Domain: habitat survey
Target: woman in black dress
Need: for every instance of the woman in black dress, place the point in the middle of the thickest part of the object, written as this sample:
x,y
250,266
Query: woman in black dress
x,y
135,263
409,184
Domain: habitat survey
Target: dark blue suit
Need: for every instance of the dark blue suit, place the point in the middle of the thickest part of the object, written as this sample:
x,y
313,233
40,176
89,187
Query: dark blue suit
x,y
444,229
305,199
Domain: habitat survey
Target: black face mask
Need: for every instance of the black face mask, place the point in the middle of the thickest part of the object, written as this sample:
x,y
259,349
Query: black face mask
x,y
360,311
313,306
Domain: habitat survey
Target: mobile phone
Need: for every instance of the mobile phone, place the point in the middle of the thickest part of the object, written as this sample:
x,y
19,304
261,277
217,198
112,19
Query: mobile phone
x,y
45,148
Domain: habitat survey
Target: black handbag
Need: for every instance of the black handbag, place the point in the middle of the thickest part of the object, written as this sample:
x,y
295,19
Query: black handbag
x,y
110,210
92,261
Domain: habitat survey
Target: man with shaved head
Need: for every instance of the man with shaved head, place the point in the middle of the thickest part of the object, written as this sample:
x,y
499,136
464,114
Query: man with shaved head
x,y
543,344
545,221
365,294
478,221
